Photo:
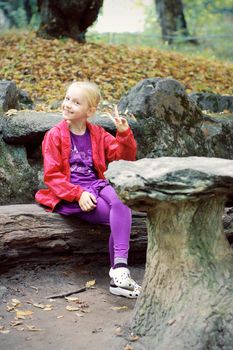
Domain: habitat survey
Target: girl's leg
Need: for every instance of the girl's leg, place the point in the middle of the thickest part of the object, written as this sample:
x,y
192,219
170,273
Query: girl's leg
x,y
100,215
120,218
111,211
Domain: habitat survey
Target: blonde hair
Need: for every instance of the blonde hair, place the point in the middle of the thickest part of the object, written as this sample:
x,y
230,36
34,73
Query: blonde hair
x,y
90,91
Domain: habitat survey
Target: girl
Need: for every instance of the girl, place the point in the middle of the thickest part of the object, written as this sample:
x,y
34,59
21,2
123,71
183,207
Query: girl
x,y
75,156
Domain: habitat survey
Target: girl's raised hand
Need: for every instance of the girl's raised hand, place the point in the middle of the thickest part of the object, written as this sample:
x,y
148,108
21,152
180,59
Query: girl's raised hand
x,y
120,122
87,201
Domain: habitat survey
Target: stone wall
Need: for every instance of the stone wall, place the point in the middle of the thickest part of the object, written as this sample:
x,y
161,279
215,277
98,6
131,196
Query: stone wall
x,y
167,122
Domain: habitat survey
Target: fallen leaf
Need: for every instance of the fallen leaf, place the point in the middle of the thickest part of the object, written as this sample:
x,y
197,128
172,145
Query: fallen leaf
x,y
45,77
4,331
133,337
40,306
48,308
72,308
15,302
118,308
90,284
170,322
11,112
128,347
72,299
36,289
10,308
118,331
15,323
23,313
33,328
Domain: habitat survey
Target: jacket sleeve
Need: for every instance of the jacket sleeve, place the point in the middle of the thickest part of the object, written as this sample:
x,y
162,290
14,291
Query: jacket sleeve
x,y
123,146
54,177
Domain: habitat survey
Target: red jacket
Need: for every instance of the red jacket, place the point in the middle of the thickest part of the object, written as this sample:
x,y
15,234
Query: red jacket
x,y
56,148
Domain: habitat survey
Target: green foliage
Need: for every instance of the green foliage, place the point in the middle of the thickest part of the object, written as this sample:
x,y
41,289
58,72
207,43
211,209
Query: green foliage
x,y
19,17
208,20
16,12
209,16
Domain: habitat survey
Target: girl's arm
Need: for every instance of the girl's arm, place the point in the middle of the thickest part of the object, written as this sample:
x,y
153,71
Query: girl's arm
x,y
123,146
54,177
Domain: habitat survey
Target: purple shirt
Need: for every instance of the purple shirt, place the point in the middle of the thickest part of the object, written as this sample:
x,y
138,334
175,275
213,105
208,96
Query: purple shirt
x,y
81,163
82,171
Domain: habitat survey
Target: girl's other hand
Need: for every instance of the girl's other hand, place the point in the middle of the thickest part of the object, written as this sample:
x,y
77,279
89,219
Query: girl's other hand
x,y
120,122
87,201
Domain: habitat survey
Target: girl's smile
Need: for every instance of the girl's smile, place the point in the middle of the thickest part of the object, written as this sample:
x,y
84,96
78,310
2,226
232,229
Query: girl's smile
x,y
75,106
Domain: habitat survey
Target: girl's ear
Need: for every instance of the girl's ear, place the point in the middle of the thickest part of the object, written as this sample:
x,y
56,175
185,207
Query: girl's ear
x,y
91,111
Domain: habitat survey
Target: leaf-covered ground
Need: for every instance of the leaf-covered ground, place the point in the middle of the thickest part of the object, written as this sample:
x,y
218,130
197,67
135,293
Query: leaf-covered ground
x,y
45,67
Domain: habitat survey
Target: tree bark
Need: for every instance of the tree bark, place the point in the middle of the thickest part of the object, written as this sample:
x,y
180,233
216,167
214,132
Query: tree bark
x,y
67,18
171,18
188,294
29,233
28,10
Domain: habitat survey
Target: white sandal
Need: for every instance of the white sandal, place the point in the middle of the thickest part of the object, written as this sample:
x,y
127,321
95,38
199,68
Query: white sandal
x,y
121,278
132,294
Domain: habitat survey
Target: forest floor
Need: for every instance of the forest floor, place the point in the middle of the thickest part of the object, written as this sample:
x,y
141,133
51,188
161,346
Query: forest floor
x,y
44,68
93,319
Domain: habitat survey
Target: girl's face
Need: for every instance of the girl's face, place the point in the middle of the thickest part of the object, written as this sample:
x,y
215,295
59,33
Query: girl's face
x,y
75,106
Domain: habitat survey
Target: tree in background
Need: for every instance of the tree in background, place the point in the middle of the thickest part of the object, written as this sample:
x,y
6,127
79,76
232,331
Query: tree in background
x,y
171,18
209,16
20,13
67,18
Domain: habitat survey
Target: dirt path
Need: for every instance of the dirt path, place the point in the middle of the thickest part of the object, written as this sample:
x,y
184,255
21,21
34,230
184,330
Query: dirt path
x,y
93,326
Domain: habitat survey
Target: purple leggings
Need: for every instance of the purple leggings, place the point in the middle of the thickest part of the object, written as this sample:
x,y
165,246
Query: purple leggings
x,y
111,211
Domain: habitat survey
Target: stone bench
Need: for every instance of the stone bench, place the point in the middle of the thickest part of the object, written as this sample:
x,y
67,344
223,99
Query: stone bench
x,y
30,234
187,295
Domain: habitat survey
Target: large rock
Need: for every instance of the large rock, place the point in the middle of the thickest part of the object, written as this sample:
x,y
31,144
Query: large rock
x,y
218,131
168,124
164,98
167,118
187,294
8,96
18,180
171,124
28,127
228,224
213,102
21,156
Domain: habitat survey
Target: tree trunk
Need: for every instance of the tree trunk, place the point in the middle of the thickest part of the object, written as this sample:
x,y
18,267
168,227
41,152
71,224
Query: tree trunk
x,y
188,291
28,10
29,233
187,294
171,18
67,18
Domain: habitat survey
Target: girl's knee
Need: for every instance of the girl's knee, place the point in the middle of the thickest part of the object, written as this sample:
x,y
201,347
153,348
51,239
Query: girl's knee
x,y
119,205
